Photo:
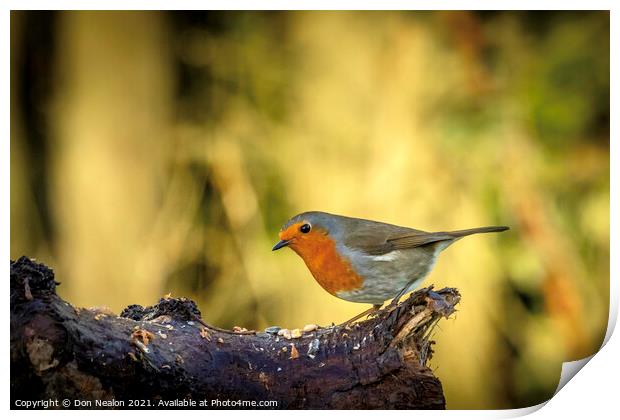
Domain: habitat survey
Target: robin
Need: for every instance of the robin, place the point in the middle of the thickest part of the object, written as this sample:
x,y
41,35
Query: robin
x,y
366,261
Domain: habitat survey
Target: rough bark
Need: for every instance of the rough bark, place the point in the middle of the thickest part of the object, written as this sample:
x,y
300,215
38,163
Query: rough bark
x,y
161,356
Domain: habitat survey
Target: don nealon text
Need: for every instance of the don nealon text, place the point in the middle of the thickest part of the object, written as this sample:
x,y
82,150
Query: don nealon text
x,y
176,403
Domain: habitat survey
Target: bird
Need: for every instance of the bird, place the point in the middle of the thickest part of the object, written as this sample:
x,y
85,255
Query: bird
x,y
366,261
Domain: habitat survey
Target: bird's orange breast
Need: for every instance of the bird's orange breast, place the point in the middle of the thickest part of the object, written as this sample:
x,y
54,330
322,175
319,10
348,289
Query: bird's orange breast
x,y
330,269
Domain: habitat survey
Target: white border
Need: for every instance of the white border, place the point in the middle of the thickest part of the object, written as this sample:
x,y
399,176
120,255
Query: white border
x,y
594,394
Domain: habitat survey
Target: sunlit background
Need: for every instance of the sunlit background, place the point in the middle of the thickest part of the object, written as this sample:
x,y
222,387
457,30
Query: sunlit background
x,y
161,152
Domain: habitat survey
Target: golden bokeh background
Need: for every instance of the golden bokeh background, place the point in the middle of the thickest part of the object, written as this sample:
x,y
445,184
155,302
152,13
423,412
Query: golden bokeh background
x,y
161,152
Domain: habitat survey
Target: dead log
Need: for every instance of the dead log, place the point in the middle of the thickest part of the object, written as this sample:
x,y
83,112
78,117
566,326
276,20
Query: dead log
x,y
161,356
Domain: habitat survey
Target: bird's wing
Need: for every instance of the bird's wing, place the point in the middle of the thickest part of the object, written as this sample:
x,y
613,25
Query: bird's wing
x,y
418,239
378,240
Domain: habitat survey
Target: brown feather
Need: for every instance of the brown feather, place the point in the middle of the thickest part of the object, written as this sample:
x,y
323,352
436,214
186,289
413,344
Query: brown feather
x,y
377,240
372,237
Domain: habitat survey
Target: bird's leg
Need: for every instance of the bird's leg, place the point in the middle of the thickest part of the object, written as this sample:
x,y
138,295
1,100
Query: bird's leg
x,y
370,311
400,294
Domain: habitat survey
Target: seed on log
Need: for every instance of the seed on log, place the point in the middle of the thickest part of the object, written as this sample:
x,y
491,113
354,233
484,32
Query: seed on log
x,y
294,352
204,333
310,328
285,333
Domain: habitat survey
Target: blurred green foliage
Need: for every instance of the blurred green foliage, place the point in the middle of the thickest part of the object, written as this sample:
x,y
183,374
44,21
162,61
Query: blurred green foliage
x,y
161,152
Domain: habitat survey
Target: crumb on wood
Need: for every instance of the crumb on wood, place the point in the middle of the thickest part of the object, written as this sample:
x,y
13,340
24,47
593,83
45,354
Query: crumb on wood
x,y
141,339
285,333
309,328
294,352
162,319
104,310
204,333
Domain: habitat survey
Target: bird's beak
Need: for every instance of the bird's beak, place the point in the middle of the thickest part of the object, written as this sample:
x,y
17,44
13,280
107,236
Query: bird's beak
x,y
279,245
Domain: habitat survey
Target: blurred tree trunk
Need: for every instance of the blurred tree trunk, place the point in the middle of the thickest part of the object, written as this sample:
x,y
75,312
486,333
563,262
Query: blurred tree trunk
x,y
32,55
111,124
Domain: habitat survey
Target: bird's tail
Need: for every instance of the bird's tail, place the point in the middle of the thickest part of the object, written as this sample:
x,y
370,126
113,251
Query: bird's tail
x,y
486,229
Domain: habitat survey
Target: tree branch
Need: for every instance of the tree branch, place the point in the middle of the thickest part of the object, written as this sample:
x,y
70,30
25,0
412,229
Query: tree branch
x,y
163,356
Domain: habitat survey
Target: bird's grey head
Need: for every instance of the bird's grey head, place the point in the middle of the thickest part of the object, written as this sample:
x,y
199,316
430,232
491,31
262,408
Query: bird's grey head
x,y
303,224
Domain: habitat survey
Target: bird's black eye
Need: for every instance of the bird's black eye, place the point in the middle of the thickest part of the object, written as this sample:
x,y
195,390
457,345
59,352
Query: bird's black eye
x,y
305,228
